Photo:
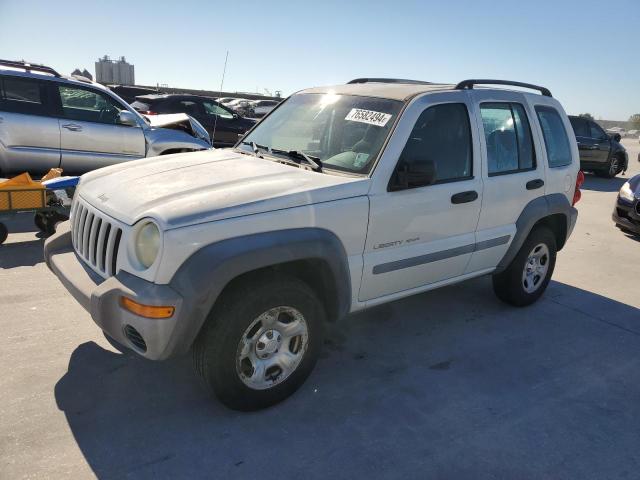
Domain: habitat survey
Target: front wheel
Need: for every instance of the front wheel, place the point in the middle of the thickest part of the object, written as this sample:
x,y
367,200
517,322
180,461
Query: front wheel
x,y
528,275
261,342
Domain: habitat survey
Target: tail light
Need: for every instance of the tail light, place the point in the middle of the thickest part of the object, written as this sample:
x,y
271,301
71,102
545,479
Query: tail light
x,y
148,112
577,195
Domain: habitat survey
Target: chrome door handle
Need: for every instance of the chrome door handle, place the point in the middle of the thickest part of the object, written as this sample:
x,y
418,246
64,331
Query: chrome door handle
x,y
73,127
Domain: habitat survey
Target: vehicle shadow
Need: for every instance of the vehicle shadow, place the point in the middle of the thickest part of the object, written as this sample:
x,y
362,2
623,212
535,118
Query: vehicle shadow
x,y
599,184
22,254
429,384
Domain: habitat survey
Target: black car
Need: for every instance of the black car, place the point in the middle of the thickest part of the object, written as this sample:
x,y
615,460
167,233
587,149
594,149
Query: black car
x,y
212,115
626,215
600,153
129,92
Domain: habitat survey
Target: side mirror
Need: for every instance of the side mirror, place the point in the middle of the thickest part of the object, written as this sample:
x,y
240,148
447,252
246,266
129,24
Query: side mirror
x,y
617,137
420,173
125,117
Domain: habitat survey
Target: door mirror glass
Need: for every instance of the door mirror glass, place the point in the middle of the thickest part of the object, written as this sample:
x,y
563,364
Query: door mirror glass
x,y
127,118
419,173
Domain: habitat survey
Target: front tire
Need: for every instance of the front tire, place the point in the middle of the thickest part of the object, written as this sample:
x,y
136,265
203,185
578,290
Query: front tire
x,y
261,342
527,277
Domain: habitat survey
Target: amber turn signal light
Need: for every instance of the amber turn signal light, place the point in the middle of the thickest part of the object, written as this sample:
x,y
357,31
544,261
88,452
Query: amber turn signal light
x,y
147,311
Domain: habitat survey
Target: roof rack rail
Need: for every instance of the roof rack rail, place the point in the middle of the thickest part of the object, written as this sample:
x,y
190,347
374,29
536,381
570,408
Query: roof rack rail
x,y
388,80
468,85
29,66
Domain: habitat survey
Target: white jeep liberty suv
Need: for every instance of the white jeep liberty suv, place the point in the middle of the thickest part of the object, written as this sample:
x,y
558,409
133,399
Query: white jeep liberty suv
x,y
342,198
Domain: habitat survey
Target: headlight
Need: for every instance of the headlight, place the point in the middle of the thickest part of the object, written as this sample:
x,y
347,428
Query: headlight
x,y
147,244
626,192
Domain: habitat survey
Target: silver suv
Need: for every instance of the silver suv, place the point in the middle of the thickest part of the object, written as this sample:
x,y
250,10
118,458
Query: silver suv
x,y
47,121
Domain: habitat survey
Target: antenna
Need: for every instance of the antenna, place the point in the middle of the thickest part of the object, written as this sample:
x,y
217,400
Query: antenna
x,y
224,71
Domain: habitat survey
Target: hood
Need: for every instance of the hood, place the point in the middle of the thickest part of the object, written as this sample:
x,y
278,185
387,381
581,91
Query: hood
x,y
190,188
179,121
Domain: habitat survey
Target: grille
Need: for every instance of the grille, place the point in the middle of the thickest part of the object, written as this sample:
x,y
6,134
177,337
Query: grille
x,y
95,237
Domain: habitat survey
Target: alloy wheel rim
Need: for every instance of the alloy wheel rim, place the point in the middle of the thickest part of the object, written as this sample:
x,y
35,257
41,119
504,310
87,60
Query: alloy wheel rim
x,y
613,169
272,347
535,268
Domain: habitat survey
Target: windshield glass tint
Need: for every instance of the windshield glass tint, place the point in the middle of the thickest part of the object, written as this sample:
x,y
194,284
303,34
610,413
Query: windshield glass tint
x,y
345,132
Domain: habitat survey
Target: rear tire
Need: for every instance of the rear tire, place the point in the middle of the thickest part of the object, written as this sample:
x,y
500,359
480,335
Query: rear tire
x,y
613,169
527,277
261,342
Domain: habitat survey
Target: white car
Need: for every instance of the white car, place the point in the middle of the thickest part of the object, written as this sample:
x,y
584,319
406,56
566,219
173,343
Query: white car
x,y
344,198
262,107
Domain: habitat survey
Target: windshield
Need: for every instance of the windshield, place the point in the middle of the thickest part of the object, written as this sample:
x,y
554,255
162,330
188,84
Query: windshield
x,y
344,132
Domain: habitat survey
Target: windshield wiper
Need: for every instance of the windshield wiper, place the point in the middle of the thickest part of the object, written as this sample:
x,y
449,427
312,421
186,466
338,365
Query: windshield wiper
x,y
256,147
316,164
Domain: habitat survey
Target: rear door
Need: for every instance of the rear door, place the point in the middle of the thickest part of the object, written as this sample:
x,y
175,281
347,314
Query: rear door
x,y
29,134
425,235
512,173
90,135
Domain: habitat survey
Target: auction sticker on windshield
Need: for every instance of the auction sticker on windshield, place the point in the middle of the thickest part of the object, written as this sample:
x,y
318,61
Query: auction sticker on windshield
x,y
371,117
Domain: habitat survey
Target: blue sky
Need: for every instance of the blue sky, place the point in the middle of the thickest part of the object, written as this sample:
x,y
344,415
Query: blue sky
x,y
586,52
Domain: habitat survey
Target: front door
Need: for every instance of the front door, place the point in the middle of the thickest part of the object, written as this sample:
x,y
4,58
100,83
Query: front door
x,y
423,235
600,145
29,135
90,136
224,123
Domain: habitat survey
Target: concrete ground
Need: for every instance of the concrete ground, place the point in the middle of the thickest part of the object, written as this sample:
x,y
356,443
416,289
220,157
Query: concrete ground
x,y
448,384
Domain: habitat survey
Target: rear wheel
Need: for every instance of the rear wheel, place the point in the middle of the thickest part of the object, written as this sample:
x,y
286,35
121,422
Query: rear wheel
x,y
47,221
528,275
261,342
613,169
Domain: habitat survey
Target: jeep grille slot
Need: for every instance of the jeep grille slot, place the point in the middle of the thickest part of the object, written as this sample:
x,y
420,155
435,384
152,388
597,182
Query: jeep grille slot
x,y
95,237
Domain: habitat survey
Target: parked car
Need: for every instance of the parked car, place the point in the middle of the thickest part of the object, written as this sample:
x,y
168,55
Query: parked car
x,y
228,125
343,198
262,107
129,92
241,106
600,152
626,214
225,100
49,121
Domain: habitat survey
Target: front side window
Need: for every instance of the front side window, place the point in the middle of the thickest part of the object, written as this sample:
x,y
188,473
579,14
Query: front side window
x,y
442,135
580,127
189,107
508,138
214,109
555,136
597,133
21,95
345,132
88,105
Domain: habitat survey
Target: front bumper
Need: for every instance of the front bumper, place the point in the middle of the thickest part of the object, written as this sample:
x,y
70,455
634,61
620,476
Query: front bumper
x,y
101,298
627,215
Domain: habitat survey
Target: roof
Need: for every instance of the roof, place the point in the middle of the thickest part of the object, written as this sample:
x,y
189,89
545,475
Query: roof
x,y
394,91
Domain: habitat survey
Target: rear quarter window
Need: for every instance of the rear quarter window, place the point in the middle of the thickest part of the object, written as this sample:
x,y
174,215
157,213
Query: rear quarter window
x,y
555,136
22,95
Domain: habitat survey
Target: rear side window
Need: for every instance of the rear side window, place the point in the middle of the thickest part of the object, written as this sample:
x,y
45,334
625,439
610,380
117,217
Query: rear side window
x,y
580,127
442,135
22,95
508,138
555,136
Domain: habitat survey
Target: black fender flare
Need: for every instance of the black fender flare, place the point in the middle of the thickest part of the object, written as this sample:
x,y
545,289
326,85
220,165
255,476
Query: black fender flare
x,y
205,274
536,210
